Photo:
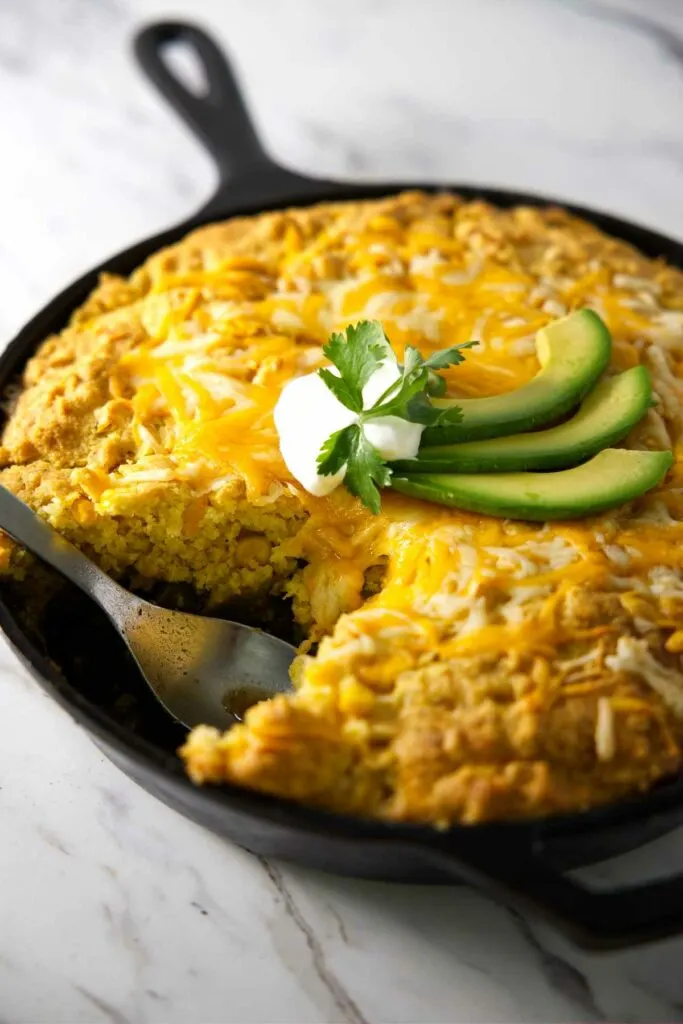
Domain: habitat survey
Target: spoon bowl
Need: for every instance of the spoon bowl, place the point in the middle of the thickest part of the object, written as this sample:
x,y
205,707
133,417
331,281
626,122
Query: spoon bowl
x,y
202,670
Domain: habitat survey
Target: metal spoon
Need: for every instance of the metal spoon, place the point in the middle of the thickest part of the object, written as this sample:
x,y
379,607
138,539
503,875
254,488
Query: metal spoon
x,y
198,668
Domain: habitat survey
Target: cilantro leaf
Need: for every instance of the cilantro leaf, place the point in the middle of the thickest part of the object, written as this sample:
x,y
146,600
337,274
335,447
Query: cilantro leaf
x,y
366,471
448,416
336,451
420,410
356,353
449,356
436,385
342,390
412,359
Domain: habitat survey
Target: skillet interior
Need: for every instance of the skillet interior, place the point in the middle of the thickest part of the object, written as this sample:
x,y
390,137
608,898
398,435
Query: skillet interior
x,y
75,655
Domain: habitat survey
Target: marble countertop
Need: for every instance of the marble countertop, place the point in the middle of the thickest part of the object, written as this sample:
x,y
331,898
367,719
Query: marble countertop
x,y
112,907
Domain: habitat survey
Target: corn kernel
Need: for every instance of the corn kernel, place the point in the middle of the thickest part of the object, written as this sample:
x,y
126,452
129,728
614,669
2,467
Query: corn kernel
x,y
675,642
252,549
354,698
83,512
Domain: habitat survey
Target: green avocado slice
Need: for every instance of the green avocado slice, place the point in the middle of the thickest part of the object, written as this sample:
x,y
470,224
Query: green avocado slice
x,y
572,351
611,478
605,417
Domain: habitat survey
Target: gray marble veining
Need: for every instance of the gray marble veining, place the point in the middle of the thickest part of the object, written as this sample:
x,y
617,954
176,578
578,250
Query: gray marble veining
x,y
119,910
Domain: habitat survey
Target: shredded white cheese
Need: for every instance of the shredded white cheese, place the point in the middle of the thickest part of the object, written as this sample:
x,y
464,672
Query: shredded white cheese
x,y
634,656
605,736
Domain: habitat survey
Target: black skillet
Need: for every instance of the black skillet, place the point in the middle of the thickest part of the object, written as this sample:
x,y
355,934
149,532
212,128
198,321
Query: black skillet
x,y
76,658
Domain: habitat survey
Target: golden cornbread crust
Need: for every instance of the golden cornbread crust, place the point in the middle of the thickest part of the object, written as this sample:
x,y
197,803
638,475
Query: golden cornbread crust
x,y
468,668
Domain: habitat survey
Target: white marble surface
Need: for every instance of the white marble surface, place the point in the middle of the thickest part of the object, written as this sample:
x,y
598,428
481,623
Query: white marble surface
x,y
112,907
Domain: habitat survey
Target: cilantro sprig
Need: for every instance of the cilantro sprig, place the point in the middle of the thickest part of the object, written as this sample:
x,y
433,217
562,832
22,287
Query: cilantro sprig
x,y
366,470
357,353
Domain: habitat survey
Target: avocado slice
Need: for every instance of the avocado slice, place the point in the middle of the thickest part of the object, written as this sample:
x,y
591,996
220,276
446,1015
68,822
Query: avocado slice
x,y
572,351
611,478
605,417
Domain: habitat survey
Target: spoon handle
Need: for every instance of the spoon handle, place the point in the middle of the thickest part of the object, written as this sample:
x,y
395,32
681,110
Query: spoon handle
x,y
31,531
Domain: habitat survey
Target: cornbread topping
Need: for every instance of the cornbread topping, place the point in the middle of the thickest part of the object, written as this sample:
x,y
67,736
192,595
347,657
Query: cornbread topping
x,y
467,668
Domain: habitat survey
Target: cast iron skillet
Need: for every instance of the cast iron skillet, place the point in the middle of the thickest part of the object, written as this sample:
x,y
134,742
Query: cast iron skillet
x,y
79,662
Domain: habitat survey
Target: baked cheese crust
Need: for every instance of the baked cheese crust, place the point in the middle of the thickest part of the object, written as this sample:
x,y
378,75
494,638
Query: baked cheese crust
x,y
465,668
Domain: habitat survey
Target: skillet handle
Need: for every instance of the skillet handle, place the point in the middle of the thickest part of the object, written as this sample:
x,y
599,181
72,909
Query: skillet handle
x,y
219,118
595,918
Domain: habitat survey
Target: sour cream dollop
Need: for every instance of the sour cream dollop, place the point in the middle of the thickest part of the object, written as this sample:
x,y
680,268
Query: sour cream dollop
x,y
307,413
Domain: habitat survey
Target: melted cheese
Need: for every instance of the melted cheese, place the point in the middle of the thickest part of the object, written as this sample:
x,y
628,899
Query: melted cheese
x,y
223,341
